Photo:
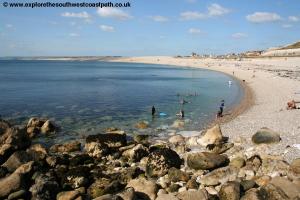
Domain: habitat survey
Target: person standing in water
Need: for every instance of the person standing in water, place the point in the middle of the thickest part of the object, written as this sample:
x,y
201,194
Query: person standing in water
x,y
221,109
180,114
153,111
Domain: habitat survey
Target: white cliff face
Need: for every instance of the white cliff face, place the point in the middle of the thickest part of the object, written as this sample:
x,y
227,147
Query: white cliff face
x,y
282,52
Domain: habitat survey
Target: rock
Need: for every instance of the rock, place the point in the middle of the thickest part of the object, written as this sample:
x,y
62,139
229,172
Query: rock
x,y
21,194
176,139
230,191
3,172
166,197
273,167
107,197
48,127
76,177
294,170
206,160
16,181
265,136
104,186
12,140
237,162
220,176
136,153
68,195
111,140
80,159
66,147
37,152
173,188
247,184
127,194
160,161
142,125
178,124
55,160
253,163
219,148
193,195
262,180
252,194
45,187
192,184
141,139
16,160
145,189
96,150
33,131
35,122
280,188
4,125
211,136
114,130
176,175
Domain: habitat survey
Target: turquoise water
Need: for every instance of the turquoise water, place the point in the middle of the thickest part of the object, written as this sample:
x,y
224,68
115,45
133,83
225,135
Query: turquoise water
x,y
86,97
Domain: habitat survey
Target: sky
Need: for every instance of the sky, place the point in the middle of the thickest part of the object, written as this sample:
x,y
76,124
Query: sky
x,y
149,27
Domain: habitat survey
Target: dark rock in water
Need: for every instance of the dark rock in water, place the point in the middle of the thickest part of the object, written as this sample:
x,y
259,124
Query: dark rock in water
x,y
76,177
21,194
141,139
16,160
104,186
142,125
265,136
16,181
206,160
111,140
12,140
247,184
160,161
3,126
176,175
35,122
66,147
81,159
48,127
219,148
45,187
230,191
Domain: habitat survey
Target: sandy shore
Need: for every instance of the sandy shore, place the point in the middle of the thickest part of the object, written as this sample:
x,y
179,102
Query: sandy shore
x,y
271,83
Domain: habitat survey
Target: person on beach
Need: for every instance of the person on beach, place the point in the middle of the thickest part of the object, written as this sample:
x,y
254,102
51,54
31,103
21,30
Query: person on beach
x,y
180,114
182,101
153,111
221,109
292,105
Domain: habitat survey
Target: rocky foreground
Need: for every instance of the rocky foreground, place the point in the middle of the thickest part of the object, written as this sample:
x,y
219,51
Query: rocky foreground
x,y
114,165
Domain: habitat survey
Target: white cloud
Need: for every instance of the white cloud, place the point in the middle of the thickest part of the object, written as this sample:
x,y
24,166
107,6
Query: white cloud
x,y
159,18
83,15
261,17
239,35
74,35
195,31
116,13
107,28
287,26
190,15
217,10
294,19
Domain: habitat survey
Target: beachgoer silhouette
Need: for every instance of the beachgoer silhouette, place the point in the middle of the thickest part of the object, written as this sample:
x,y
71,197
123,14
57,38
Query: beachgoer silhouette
x,y
221,109
153,110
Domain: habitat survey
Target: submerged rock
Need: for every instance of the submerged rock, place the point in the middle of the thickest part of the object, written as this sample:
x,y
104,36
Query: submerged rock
x,y
160,161
111,140
141,139
142,125
211,136
206,160
178,124
265,136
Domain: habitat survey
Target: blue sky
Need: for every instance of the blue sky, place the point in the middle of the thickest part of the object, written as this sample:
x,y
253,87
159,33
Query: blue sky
x,y
156,27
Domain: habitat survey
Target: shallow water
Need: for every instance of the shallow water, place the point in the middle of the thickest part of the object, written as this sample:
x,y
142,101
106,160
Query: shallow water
x,y
86,97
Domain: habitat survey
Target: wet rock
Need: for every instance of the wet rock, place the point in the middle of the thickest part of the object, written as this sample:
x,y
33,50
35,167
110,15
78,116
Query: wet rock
x,y
96,150
294,170
33,131
17,180
104,186
45,187
237,162
220,176
76,177
16,160
48,127
12,140
265,136
176,175
68,195
145,189
21,194
136,153
114,130
111,140
141,139
35,122
160,161
178,124
37,152
176,139
142,125
252,194
211,136
230,191
4,125
127,194
219,148
206,160
66,147
192,195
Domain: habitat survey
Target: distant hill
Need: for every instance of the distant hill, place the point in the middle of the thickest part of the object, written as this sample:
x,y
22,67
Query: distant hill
x,y
292,46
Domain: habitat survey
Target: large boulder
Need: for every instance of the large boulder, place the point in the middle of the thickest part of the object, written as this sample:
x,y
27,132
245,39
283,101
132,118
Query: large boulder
x,y
230,191
160,161
206,160
145,189
220,176
136,153
193,195
16,181
111,140
16,160
68,195
48,127
266,136
96,150
211,136
66,147
76,177
252,194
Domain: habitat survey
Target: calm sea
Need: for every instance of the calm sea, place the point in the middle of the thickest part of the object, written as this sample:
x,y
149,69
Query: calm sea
x,y
87,97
